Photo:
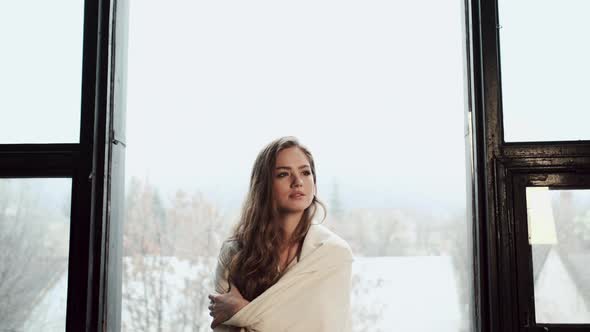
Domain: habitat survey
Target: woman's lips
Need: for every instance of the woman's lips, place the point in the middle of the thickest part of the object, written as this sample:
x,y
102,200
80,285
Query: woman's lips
x,y
297,195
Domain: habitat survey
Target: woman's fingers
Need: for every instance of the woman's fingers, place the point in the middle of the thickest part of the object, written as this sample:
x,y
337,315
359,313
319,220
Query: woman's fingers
x,y
222,305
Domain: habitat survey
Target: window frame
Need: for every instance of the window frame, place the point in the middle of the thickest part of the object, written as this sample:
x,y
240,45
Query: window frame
x,y
496,162
89,164
519,180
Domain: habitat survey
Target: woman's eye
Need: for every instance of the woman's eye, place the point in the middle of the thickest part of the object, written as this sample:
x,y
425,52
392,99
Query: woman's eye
x,y
282,174
306,173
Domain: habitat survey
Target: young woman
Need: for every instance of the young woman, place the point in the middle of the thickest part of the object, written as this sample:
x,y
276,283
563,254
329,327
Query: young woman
x,y
279,271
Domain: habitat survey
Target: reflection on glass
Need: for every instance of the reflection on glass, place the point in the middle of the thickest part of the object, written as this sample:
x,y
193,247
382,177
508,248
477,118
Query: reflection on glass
x,y
40,71
541,223
559,232
346,78
545,69
34,242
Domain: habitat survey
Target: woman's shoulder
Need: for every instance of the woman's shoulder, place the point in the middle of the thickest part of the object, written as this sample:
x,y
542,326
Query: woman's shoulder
x,y
228,249
322,235
229,244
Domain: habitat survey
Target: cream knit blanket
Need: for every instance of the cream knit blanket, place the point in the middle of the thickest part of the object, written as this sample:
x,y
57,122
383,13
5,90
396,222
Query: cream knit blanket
x,y
312,296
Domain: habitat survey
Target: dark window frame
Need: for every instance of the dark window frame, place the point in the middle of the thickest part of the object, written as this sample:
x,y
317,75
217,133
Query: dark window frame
x,y
90,164
497,200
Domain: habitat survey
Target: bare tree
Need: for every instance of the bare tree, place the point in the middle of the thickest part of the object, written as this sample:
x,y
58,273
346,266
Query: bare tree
x,y
195,227
144,294
373,233
192,315
170,254
31,257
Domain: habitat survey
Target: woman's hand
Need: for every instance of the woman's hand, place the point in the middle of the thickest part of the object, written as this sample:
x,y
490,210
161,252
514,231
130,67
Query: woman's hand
x,y
223,306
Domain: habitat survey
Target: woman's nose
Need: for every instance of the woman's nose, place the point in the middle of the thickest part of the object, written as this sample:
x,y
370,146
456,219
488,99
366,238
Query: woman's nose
x,y
297,181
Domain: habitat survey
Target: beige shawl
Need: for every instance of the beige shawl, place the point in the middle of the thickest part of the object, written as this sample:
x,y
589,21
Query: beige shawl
x,y
312,296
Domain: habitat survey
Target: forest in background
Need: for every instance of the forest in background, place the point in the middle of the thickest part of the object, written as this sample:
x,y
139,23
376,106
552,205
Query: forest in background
x,y
181,235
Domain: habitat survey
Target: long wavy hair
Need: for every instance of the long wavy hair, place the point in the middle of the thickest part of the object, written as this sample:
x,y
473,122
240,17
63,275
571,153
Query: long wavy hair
x,y
254,266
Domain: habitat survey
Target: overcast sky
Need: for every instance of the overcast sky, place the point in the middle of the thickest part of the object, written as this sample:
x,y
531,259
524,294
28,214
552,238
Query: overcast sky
x,y
545,69
373,88
40,71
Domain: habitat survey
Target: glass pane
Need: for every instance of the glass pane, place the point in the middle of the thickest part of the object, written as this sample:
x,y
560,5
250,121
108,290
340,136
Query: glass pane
x,y
41,70
545,69
34,244
351,82
559,232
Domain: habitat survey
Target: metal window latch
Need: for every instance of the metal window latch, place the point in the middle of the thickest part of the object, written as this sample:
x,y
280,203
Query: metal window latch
x,y
116,142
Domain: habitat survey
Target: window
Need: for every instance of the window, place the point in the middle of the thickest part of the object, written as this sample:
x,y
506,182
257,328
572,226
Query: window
x,y
56,165
559,234
41,65
91,164
528,189
544,70
34,236
358,84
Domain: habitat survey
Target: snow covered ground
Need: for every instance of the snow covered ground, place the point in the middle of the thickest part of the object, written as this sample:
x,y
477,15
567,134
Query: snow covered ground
x,y
416,294
389,294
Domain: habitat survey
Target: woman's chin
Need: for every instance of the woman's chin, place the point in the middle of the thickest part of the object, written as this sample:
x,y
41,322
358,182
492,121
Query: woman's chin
x,y
295,208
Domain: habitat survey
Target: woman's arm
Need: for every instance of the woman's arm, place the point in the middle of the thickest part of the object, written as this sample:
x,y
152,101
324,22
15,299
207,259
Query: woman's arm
x,y
222,269
228,299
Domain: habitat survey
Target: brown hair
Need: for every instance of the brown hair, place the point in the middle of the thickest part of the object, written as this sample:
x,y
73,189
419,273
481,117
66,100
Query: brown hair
x,y
254,266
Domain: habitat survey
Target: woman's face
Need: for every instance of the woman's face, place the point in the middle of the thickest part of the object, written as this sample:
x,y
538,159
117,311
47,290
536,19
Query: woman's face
x,y
293,185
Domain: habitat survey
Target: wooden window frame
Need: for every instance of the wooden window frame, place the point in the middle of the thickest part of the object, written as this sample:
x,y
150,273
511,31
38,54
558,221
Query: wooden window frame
x,y
498,166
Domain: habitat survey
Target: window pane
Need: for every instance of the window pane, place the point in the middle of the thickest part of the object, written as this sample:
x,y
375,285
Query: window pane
x,y
559,232
352,82
41,70
34,244
545,69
